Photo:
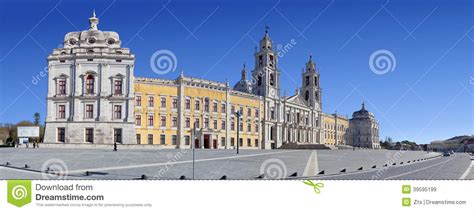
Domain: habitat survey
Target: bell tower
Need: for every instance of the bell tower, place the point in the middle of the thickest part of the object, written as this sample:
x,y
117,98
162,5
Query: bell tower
x,y
266,74
311,90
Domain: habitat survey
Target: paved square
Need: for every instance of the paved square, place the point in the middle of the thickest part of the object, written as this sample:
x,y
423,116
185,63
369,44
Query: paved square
x,y
213,164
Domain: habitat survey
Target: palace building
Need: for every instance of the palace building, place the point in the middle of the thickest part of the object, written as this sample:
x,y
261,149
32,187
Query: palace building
x,y
94,98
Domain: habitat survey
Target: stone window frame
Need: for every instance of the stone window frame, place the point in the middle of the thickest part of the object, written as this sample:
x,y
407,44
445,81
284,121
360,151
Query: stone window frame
x,y
152,120
65,78
138,98
85,104
114,112
62,135
86,135
187,106
174,122
113,80
58,111
84,83
138,119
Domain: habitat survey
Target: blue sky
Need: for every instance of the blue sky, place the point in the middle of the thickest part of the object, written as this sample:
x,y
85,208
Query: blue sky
x,y
427,96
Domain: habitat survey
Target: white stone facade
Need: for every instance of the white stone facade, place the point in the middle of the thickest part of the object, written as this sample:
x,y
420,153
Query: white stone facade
x,y
287,119
90,89
364,129
91,97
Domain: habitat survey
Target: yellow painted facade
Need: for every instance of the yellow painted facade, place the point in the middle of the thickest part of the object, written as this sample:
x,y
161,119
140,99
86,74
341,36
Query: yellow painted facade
x,y
166,112
336,129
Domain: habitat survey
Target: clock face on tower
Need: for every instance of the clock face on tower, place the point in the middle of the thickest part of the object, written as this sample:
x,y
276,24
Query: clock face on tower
x,y
271,92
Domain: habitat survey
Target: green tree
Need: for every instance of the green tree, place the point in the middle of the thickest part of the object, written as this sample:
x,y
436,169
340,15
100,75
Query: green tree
x,y
37,119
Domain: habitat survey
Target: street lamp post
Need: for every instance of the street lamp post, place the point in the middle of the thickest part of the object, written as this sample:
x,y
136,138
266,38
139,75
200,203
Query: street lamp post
x,y
238,129
193,143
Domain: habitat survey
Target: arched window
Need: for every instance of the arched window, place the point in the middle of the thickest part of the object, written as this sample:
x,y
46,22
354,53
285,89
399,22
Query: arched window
x,y
306,95
90,84
259,80
272,80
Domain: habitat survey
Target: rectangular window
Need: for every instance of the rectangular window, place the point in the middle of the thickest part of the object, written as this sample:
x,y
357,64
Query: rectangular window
x,y
187,139
175,121
62,111
256,142
118,87
162,139
138,101
256,127
151,101
249,112
117,111
206,122
232,109
150,120
241,142
249,142
163,102
214,107
241,111
163,121
139,138
223,141
61,134
118,135
232,125
174,139
150,139
222,125
257,114
223,107
89,135
196,122
241,126
175,103
187,123
249,127
89,111
187,105
138,120
214,123
62,87
90,84
196,104
206,105
232,141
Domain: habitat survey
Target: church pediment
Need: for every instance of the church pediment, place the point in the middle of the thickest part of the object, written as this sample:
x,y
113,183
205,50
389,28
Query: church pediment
x,y
296,99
